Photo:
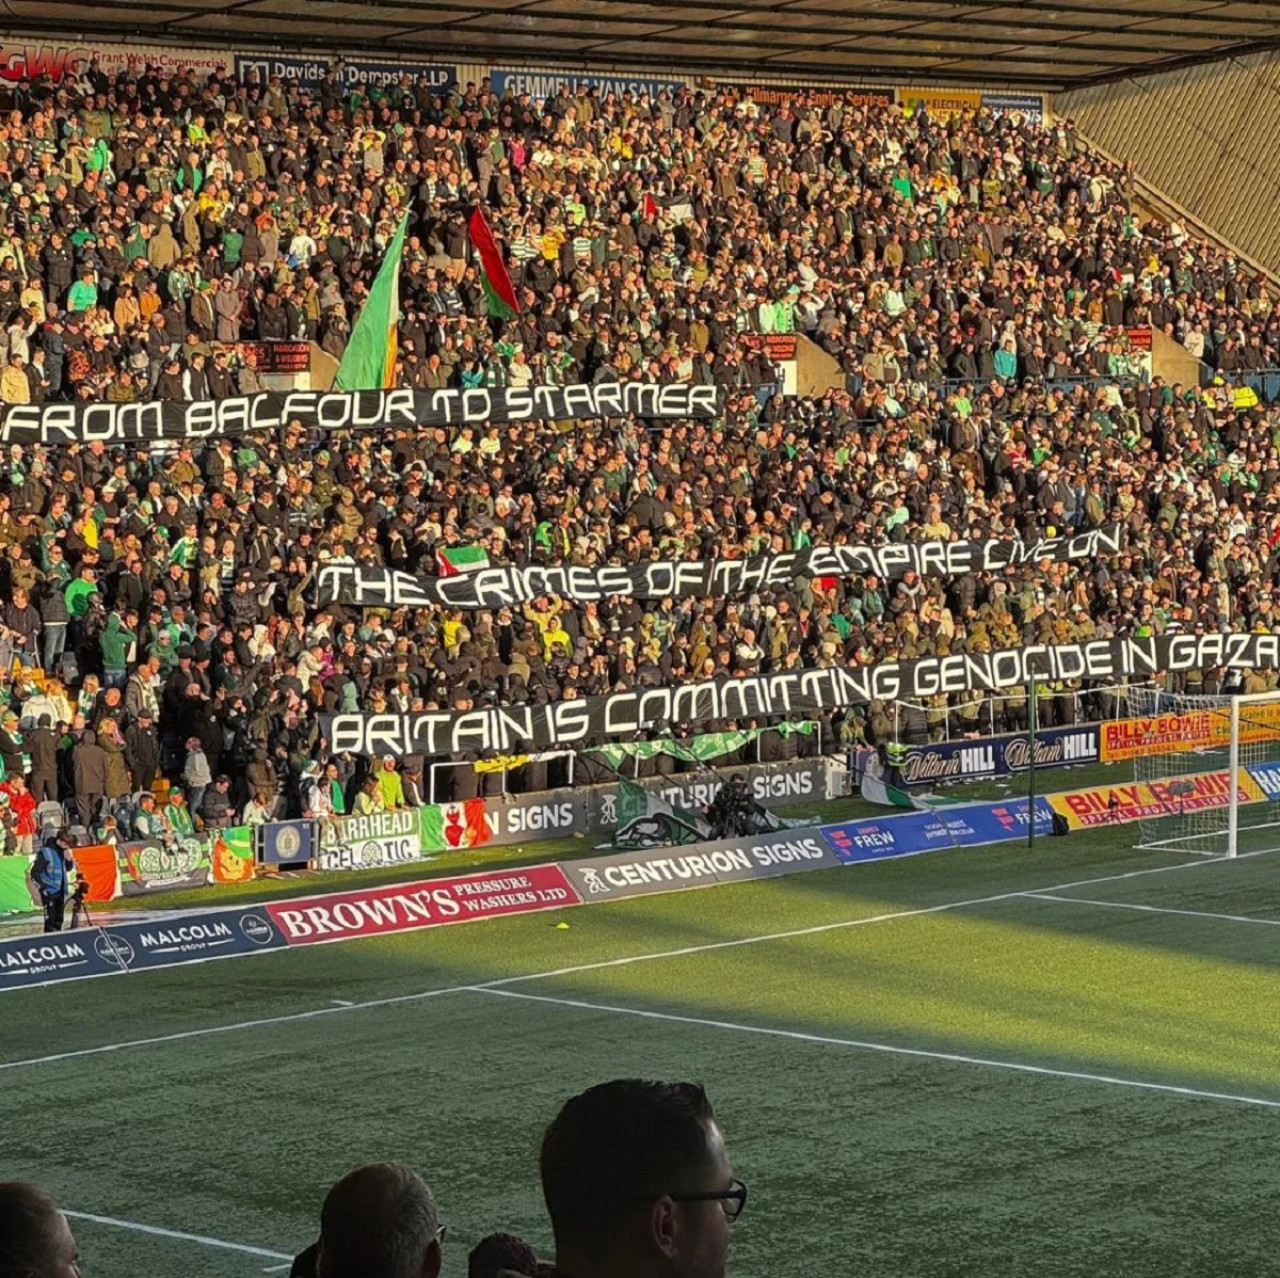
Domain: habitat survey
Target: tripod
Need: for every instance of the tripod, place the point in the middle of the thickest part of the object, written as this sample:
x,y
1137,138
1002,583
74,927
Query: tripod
x,y
79,910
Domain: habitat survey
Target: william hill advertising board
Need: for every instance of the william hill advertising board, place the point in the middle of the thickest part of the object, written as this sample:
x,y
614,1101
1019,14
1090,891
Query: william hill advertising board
x,y
998,756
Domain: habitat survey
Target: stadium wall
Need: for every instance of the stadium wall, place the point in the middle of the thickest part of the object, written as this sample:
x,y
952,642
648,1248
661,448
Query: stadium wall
x,y
1204,138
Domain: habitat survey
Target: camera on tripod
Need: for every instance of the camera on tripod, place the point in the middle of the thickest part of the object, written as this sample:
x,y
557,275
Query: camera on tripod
x,y
78,907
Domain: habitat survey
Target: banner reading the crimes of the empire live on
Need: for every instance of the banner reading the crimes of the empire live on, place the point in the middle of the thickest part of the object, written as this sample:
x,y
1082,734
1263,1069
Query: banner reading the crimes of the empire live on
x,y
510,729
366,587
348,410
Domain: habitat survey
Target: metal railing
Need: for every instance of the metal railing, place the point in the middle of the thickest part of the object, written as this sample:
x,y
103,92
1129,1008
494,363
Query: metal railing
x,y
494,783
919,724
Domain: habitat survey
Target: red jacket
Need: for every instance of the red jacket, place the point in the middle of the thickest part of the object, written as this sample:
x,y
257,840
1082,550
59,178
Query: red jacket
x,y
23,807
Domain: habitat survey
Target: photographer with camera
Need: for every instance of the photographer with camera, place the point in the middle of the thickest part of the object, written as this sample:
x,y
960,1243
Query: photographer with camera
x,y
51,872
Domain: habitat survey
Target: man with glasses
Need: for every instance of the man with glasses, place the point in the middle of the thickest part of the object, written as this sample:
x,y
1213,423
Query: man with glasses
x,y
637,1183
379,1221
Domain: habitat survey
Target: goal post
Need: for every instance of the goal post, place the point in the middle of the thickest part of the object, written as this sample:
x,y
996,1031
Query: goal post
x,y
1207,771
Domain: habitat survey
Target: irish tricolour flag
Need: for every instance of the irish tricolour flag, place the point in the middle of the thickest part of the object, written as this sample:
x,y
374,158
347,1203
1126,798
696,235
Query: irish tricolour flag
x,y
369,362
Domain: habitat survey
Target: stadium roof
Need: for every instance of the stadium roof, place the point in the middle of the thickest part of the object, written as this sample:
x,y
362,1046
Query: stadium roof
x,y
1045,44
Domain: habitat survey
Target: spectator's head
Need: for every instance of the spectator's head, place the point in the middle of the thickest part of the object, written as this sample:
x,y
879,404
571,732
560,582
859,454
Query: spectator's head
x,y
501,1254
37,1239
637,1181
380,1221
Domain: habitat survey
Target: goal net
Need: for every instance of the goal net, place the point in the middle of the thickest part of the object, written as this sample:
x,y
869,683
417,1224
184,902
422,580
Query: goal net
x,y
1187,749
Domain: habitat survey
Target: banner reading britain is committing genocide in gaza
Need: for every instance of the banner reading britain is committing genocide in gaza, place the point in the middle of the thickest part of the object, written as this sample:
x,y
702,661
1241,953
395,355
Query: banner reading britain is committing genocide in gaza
x,y
352,410
371,587
509,729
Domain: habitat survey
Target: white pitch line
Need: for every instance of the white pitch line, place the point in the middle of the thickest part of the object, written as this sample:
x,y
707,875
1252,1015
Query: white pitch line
x,y
683,952
886,1048
177,1234
1152,909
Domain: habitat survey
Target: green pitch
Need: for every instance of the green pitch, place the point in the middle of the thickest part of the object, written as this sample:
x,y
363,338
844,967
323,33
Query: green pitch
x,y
942,1065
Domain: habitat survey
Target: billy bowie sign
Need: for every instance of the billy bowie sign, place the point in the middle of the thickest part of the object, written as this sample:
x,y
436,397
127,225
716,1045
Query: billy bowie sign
x,y
699,578
347,410
513,729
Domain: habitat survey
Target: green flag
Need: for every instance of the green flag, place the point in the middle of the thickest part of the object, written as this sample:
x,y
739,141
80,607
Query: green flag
x,y
369,362
646,820
16,896
700,749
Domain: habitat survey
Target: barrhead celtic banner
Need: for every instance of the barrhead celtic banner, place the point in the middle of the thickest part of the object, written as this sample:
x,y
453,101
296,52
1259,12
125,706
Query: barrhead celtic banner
x,y
595,720
350,410
495,587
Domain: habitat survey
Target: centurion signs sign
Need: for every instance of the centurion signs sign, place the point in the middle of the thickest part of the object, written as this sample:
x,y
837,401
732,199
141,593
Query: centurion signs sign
x,y
513,729
672,869
702,578
346,410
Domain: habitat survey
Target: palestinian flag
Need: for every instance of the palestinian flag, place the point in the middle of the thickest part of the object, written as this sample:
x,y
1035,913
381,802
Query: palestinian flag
x,y
369,362
498,290
456,561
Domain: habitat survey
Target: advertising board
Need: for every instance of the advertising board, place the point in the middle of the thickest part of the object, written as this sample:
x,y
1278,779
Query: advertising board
x,y
133,947
353,73
1266,776
547,815
820,95
968,826
287,843
771,785
1030,106
541,85
1174,733
191,938
1000,756
673,869
940,104
1151,800
60,956
433,903
62,59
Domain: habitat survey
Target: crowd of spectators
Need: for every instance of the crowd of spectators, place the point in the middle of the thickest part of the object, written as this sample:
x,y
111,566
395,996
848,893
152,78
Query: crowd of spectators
x,y
974,277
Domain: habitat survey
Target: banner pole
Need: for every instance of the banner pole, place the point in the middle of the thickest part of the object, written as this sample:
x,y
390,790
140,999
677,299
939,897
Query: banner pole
x,y
1032,716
